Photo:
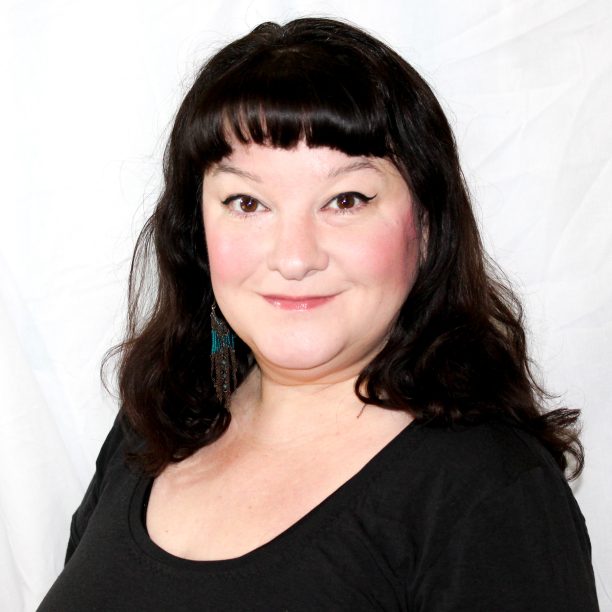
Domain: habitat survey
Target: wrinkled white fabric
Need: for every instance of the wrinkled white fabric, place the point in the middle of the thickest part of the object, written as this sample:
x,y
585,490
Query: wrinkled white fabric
x,y
88,93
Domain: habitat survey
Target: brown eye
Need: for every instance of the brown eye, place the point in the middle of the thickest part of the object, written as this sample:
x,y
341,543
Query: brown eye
x,y
247,204
346,200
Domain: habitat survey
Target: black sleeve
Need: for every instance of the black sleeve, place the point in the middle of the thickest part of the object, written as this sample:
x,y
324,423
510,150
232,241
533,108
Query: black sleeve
x,y
522,548
81,517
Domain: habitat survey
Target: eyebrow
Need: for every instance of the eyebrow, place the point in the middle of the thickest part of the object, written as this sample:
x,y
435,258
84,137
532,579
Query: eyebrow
x,y
225,167
362,164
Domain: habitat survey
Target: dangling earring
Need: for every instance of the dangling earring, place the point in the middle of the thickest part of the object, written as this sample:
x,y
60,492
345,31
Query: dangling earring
x,y
222,357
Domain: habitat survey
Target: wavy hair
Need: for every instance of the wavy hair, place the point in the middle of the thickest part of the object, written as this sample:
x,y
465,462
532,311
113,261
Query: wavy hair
x,y
457,352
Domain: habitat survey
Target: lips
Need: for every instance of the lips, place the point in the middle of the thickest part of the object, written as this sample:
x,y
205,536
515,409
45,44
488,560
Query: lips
x,y
305,302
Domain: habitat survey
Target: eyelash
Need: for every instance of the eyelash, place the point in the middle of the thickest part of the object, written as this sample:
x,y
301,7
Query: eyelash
x,y
339,211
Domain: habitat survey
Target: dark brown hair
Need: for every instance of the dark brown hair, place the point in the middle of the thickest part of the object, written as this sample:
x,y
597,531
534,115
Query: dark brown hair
x,y
457,352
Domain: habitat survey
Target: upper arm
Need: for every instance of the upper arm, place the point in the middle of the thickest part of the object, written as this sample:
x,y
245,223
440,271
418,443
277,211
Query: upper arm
x,y
82,514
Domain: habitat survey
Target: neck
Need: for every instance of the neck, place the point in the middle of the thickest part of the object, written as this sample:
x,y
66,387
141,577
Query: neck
x,y
276,413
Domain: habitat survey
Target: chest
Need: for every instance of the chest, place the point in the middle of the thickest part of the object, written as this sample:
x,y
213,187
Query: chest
x,y
230,504
333,559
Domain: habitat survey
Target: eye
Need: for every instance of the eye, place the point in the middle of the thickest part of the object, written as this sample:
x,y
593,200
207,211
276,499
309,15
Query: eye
x,y
348,201
243,204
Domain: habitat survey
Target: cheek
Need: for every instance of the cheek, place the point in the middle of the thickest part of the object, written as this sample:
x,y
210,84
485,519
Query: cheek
x,y
389,256
230,257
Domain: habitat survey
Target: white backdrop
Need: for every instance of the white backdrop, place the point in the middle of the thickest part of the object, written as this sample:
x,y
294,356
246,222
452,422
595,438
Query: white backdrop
x,y
88,92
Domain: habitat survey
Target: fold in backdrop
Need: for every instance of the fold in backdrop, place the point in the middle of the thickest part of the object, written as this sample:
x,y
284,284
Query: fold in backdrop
x,y
88,93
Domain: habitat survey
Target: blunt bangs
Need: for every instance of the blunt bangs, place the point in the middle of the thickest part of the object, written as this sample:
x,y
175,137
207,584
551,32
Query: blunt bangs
x,y
282,96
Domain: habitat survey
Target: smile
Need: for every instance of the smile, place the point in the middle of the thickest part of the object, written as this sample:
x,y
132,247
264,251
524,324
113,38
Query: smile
x,y
306,302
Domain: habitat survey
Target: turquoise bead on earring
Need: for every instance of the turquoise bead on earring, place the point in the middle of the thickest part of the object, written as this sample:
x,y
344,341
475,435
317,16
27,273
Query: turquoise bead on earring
x,y
222,357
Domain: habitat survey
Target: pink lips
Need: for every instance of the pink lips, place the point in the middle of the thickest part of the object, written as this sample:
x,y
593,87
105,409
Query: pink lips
x,y
306,302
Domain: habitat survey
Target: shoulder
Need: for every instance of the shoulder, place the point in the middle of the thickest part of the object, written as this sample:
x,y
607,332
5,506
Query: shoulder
x,y
491,505
119,442
115,439
491,467
487,456
488,468
447,484
436,475
481,518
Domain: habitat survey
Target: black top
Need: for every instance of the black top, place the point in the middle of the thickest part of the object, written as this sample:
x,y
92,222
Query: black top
x,y
476,518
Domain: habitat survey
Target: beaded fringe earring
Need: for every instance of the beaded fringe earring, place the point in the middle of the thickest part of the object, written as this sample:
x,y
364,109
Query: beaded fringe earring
x,y
222,358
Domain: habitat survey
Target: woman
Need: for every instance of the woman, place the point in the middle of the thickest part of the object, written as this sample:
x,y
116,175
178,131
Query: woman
x,y
366,433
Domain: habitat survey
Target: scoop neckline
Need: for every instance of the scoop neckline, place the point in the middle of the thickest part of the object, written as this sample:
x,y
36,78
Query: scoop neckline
x,y
316,519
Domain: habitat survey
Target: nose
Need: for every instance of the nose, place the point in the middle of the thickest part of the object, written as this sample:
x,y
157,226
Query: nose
x,y
297,250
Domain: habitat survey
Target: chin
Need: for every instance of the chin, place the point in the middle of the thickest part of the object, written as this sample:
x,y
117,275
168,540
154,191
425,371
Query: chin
x,y
307,359
293,361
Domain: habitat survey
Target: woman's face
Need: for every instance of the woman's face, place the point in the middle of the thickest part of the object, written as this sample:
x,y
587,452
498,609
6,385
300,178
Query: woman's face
x,y
312,253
